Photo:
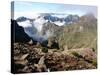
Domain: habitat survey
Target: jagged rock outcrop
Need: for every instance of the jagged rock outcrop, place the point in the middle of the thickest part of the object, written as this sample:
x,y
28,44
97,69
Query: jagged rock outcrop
x,y
26,58
19,33
53,43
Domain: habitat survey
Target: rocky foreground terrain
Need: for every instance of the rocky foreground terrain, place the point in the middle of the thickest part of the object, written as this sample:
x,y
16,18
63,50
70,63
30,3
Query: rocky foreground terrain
x,y
35,58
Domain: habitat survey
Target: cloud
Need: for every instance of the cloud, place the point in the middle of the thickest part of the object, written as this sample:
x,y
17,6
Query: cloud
x,y
38,23
25,14
25,24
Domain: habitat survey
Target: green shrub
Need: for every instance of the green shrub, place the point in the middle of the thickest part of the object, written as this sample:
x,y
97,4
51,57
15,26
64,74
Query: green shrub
x,y
76,54
93,49
44,49
94,62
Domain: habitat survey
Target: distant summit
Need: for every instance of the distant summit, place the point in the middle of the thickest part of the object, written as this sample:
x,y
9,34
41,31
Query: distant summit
x,y
59,19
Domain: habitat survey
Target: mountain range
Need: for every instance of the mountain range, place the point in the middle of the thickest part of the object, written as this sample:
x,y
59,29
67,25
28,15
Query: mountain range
x,y
45,26
59,19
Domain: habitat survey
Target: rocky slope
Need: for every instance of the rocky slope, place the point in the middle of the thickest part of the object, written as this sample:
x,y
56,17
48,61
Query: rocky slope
x,y
31,58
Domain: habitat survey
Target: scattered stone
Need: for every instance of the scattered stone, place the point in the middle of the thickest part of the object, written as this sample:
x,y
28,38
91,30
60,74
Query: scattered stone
x,y
29,58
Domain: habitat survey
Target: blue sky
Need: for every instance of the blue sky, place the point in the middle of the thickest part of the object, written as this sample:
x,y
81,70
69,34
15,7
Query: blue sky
x,y
36,7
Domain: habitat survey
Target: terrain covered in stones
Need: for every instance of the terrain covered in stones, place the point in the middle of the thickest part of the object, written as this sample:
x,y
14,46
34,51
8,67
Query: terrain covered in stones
x,y
31,58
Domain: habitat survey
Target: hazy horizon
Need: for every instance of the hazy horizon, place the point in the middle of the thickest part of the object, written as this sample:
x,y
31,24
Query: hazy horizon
x,y
22,8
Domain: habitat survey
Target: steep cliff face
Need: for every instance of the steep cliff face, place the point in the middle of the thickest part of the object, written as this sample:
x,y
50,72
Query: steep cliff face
x,y
18,33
